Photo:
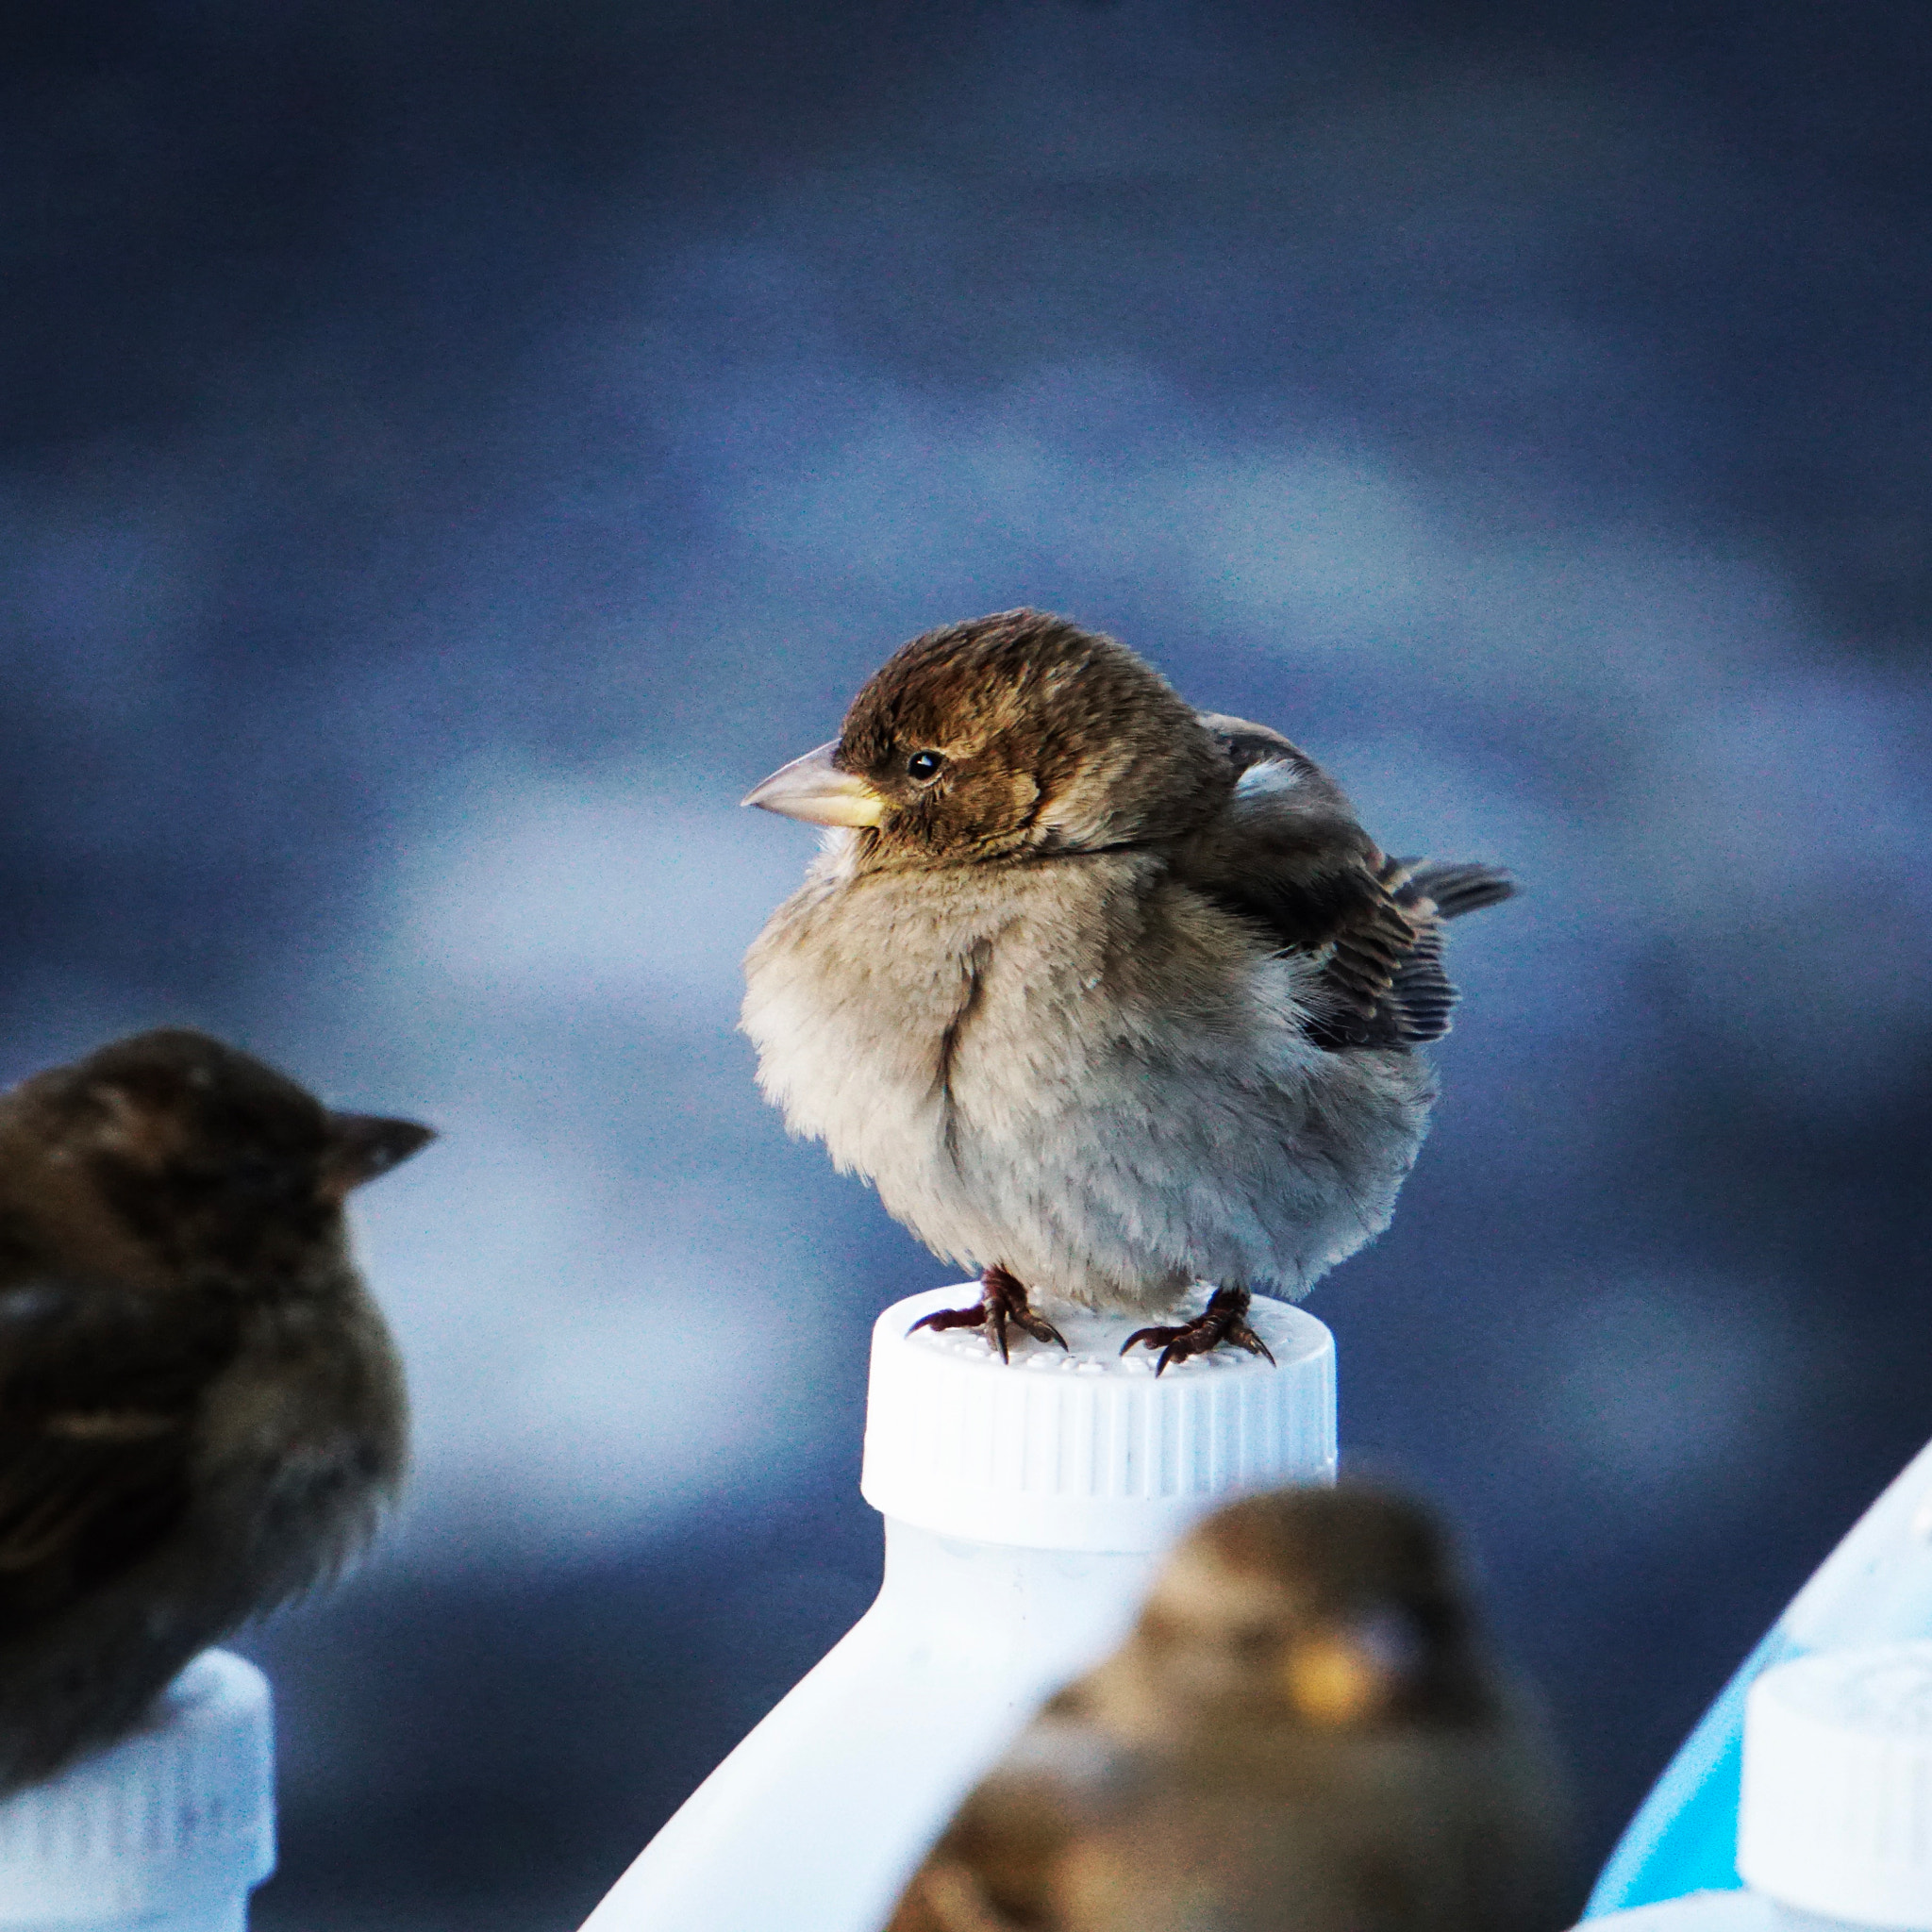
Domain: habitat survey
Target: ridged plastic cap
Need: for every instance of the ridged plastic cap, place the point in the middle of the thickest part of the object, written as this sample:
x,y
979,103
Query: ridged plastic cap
x,y
180,1812
1836,1814
1081,1448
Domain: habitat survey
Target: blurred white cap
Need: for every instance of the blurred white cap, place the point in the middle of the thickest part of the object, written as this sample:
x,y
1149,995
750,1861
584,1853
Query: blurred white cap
x,y
1836,1813
1081,1448
171,1827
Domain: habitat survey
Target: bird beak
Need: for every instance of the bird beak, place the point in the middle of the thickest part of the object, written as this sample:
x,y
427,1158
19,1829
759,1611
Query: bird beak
x,y
363,1145
813,789
1351,1672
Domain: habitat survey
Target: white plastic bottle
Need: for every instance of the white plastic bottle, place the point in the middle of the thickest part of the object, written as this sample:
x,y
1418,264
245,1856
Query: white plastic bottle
x,y
1874,1588
1025,1506
1834,1816
167,1831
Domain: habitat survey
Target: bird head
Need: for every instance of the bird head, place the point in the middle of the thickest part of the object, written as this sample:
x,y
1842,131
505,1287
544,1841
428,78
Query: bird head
x,y
195,1153
1013,735
1314,1608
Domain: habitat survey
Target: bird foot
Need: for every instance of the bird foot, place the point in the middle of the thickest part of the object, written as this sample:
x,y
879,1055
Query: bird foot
x,y
1223,1320
1003,1305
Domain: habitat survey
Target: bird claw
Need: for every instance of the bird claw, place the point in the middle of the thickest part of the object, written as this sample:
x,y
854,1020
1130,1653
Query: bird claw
x,y
1003,1303
1222,1320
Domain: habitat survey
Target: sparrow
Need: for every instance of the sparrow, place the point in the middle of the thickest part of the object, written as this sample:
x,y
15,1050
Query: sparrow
x,y
202,1414
1104,994
1304,1732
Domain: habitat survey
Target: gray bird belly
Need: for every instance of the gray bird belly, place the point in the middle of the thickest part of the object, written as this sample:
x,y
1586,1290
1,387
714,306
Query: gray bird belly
x,y
1131,1162
1017,1096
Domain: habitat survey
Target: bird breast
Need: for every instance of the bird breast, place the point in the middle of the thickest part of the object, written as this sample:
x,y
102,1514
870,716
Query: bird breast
x,y
303,1440
874,1000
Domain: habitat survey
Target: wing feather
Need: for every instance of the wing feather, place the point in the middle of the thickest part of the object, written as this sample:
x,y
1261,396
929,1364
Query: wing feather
x,y
1288,853
100,1392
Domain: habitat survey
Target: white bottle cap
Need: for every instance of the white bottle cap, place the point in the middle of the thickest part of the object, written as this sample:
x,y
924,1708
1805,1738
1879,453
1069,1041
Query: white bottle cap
x,y
173,1824
1082,1448
1836,1814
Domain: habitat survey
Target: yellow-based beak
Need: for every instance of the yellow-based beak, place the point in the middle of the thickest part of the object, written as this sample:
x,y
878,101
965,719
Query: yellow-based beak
x,y
813,789
1329,1682
1352,1672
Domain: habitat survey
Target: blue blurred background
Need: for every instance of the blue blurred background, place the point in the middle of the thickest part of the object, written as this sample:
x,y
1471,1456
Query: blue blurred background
x,y
450,451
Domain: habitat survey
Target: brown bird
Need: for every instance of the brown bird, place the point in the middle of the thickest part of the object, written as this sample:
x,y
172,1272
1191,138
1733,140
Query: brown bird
x,y
1106,995
201,1410
1304,1733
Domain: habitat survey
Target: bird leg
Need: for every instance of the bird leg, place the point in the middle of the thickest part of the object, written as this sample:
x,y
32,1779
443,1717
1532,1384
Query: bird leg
x,y
1223,1320
1002,1303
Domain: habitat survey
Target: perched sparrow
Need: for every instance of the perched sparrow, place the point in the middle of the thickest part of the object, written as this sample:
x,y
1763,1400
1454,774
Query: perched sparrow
x,y
1106,995
201,1412
1303,1734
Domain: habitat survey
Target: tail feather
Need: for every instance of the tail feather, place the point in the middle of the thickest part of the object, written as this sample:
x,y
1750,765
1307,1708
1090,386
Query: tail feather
x,y
1419,999
1420,992
1453,889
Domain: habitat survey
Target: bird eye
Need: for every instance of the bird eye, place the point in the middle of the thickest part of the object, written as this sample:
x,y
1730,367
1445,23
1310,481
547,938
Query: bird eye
x,y
924,766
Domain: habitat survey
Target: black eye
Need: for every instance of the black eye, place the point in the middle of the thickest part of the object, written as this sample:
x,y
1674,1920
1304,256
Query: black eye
x,y
924,766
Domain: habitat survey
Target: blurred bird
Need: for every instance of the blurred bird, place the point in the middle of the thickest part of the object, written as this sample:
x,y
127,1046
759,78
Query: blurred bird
x,y
201,1410
1302,1734
1106,995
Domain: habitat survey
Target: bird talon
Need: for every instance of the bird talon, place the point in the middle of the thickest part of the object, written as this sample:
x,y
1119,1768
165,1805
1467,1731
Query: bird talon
x,y
950,1318
1222,1320
1041,1329
1003,1303
1244,1337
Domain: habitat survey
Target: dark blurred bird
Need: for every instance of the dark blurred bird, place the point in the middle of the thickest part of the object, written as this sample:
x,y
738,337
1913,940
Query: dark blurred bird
x,y
201,1410
1304,1733
1106,995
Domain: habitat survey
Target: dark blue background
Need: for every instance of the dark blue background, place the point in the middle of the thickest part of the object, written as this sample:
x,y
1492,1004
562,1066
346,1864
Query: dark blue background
x,y
451,451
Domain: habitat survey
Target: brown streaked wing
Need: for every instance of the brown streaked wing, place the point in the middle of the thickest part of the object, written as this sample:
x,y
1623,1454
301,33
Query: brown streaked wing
x,y
1297,864
100,1388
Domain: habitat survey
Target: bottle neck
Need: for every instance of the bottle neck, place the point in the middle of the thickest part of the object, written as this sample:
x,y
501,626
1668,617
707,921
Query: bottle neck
x,y
1045,1614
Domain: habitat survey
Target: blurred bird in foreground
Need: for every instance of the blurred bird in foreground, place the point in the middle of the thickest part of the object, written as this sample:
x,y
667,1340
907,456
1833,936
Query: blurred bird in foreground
x,y
1302,1734
1106,995
201,1410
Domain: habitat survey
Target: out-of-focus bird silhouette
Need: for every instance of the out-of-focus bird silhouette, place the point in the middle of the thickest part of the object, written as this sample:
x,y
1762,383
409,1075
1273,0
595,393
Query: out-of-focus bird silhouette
x,y
201,1410
1304,1733
1106,995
